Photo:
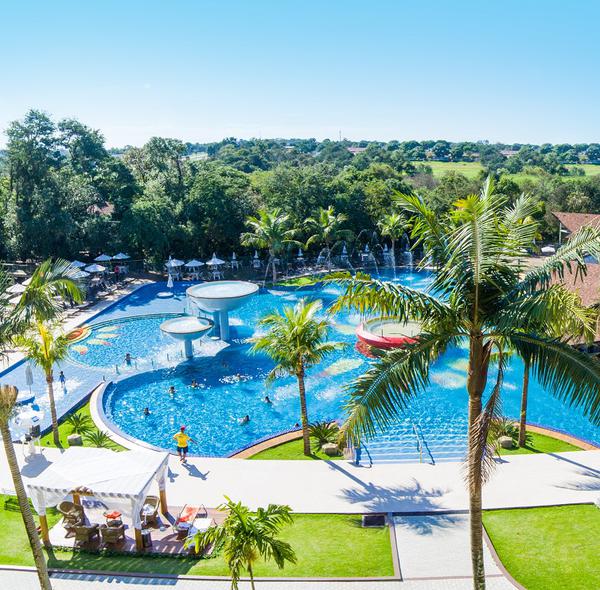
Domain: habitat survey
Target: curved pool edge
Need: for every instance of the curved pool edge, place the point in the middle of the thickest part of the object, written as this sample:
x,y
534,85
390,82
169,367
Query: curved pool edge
x,y
131,442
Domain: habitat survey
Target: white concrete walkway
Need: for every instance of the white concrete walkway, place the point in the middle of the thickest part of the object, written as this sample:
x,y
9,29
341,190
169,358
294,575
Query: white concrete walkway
x,y
337,486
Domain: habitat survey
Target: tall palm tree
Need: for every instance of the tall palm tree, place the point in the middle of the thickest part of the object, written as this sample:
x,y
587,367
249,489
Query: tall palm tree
x,y
481,297
296,340
245,537
326,229
8,397
51,284
271,230
394,226
46,348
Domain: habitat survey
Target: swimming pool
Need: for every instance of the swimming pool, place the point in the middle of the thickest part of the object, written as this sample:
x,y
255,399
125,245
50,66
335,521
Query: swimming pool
x,y
232,383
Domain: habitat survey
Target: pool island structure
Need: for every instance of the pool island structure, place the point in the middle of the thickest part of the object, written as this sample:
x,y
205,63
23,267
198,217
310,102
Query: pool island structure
x,y
219,298
187,329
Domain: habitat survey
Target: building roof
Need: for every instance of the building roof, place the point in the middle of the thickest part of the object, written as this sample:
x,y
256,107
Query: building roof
x,y
575,221
588,286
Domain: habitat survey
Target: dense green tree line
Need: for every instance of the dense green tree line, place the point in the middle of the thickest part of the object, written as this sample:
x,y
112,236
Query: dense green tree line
x,y
63,193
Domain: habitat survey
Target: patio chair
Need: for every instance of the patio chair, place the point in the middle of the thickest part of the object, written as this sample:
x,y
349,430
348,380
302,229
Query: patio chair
x,y
149,511
111,535
73,514
186,518
85,533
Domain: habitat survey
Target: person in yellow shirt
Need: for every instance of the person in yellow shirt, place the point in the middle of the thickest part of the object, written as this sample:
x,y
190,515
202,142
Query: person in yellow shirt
x,y
182,440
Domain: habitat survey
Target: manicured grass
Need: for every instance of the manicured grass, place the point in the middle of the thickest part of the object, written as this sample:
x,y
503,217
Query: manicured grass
x,y
64,430
589,169
540,443
550,548
327,545
293,449
469,169
298,282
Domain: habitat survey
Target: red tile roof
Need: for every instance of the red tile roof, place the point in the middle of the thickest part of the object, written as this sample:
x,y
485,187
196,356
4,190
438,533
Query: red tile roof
x,y
588,286
574,221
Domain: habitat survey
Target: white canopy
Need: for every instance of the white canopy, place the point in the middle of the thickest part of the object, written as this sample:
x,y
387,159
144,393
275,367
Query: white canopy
x,y
19,273
214,261
27,281
16,288
80,274
173,262
194,263
95,268
78,264
121,480
548,250
121,256
102,258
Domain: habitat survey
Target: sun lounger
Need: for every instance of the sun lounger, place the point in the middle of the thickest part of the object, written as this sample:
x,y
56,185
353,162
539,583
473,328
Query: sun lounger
x,y
187,516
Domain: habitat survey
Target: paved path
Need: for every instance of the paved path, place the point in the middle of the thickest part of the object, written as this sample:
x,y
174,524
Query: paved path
x,y
28,581
339,487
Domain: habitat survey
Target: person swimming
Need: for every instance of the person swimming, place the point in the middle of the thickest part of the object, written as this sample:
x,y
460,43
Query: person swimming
x,y
267,400
194,384
128,359
172,390
146,411
245,419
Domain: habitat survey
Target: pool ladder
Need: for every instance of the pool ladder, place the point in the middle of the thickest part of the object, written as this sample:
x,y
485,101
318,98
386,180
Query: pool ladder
x,y
422,444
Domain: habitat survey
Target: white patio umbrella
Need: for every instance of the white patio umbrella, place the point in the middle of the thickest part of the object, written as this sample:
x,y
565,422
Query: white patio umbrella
x,y
234,256
78,264
194,263
19,273
548,250
214,261
121,256
15,300
102,258
27,282
173,262
95,268
16,288
80,274
28,376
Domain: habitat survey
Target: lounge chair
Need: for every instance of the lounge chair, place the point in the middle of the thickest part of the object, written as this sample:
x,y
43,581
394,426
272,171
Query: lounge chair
x,y
85,533
73,514
186,518
149,511
111,535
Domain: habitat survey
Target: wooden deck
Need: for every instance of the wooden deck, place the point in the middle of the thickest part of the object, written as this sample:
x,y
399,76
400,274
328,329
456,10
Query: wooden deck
x,y
165,540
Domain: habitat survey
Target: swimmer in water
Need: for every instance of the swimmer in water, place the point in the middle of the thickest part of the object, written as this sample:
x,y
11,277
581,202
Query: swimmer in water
x,y
245,419
267,400
128,359
146,411
172,390
194,384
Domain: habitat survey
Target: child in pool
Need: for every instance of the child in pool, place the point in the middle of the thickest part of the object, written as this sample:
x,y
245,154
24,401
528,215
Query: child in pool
x,y
245,419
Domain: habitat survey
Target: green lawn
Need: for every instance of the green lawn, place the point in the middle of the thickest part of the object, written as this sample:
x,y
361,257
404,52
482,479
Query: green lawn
x,y
469,169
64,431
327,545
550,548
540,443
293,449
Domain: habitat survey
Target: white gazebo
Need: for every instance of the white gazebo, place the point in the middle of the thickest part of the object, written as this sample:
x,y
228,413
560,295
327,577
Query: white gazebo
x,y
95,268
103,258
120,480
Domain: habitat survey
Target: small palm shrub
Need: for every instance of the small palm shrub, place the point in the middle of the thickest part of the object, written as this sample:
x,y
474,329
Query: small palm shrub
x,y
98,438
79,423
505,427
323,432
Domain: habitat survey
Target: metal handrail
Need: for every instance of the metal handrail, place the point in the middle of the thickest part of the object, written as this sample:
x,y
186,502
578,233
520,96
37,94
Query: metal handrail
x,y
419,445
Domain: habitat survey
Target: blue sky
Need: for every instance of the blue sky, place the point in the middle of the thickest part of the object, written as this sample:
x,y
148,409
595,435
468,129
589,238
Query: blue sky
x,y
200,70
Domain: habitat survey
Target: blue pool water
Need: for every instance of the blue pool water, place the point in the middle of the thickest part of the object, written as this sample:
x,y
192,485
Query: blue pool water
x,y
232,383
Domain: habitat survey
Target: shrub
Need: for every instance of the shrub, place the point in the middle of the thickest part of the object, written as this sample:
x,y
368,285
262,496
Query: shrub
x,y
98,438
79,423
323,433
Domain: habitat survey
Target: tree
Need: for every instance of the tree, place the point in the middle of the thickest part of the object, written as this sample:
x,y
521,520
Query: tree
x,y
326,229
270,230
45,349
393,226
296,340
482,297
8,397
244,537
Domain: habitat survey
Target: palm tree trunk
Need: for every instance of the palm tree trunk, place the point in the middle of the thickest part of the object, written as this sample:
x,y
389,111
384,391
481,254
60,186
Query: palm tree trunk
x,y
476,380
272,255
523,416
251,573
32,534
303,411
50,383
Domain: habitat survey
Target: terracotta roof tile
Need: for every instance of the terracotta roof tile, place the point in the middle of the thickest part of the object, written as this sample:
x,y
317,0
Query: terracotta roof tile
x,y
574,221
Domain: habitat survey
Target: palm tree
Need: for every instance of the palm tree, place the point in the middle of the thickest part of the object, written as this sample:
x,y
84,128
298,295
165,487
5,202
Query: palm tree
x,y
481,297
296,340
394,226
8,397
45,349
270,230
51,284
245,537
326,228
